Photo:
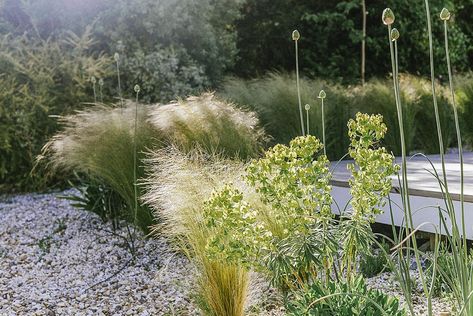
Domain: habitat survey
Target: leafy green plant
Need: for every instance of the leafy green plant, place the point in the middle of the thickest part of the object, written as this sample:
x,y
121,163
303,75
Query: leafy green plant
x,y
95,196
374,262
40,79
344,299
291,235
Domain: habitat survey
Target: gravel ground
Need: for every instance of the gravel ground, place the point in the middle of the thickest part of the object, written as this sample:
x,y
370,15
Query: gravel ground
x,y
386,283
57,260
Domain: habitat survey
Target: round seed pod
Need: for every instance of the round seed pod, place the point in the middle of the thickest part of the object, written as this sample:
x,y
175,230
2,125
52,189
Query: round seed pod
x,y
296,35
116,57
93,80
101,82
394,34
137,88
322,94
307,107
388,16
445,15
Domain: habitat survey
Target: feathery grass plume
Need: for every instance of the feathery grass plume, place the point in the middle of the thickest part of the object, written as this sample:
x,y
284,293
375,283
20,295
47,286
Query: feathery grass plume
x,y
99,142
322,96
116,57
295,37
101,83
216,126
93,80
177,186
307,109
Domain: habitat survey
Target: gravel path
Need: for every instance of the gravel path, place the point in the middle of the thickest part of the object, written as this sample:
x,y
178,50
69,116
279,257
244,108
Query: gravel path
x,y
58,260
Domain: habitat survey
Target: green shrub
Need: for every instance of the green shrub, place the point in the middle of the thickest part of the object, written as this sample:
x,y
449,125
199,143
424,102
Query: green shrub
x,y
40,79
289,233
164,74
343,299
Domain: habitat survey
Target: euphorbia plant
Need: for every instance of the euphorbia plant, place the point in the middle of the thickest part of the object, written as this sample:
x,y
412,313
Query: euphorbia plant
x,y
369,186
288,230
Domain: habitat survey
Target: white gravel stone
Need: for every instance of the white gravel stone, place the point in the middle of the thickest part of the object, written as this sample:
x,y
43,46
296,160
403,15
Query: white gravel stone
x,y
58,260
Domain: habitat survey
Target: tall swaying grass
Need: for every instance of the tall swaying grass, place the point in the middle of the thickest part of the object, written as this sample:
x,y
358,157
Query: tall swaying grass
x,y
177,186
213,125
99,142
275,100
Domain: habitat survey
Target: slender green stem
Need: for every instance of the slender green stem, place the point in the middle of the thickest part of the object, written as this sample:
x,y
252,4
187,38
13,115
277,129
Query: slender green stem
x,y
119,85
299,89
459,139
95,94
434,95
463,271
135,158
405,186
323,128
307,113
101,93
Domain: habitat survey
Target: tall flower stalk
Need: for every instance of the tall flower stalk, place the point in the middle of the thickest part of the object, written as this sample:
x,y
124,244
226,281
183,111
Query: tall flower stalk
x,y
137,91
322,96
462,282
307,109
101,83
93,80
295,37
117,61
388,19
445,17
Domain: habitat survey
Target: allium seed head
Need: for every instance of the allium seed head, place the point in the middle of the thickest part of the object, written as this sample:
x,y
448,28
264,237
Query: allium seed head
x,y
116,57
100,82
322,94
137,88
394,34
388,16
445,14
307,107
93,80
296,35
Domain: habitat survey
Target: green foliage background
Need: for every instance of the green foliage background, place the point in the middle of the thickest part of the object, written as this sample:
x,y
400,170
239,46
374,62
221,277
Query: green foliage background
x,y
331,34
175,48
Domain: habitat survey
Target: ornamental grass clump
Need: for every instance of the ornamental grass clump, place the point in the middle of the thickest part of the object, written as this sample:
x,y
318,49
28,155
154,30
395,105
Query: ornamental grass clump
x,y
214,125
101,143
177,187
